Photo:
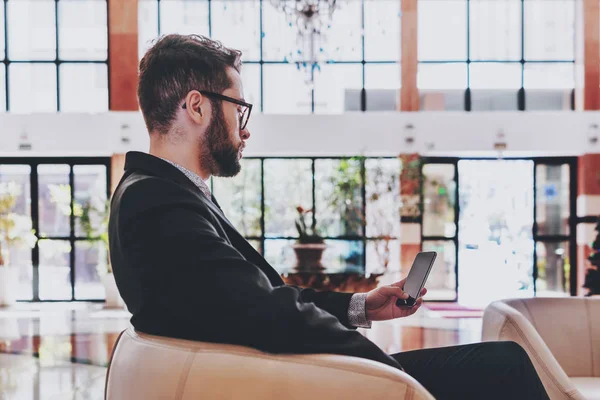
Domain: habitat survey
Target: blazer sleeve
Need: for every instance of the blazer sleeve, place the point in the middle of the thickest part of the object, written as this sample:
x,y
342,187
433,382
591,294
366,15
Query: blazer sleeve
x,y
335,303
196,284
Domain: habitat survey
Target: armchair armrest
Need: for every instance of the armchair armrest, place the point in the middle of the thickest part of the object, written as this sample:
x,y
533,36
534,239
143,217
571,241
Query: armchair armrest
x,y
150,367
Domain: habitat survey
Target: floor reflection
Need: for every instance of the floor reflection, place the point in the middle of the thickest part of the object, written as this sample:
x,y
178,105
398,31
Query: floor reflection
x,y
61,350
25,378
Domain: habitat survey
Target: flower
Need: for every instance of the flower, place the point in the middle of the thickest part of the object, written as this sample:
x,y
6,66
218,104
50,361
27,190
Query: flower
x,y
306,235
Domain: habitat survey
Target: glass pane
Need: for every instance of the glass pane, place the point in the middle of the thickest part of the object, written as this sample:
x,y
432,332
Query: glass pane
x,y
549,30
251,85
184,17
495,76
383,197
83,87
383,256
494,100
34,36
2,87
382,30
279,34
554,269
285,91
90,200
2,37
280,255
495,29
332,84
54,200
236,23
147,24
495,86
82,30
549,76
552,200
32,88
549,99
442,76
442,30
55,273
14,181
340,255
257,244
288,184
343,41
495,230
382,82
441,284
382,76
338,197
240,198
343,256
439,192
91,261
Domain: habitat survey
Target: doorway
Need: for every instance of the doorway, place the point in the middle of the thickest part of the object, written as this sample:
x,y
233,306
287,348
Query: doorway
x,y
503,228
495,227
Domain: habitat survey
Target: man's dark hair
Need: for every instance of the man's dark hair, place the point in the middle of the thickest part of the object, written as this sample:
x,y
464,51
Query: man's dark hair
x,y
175,65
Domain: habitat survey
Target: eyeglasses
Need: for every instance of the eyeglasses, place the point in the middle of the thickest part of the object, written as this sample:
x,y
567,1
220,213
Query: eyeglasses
x,y
244,114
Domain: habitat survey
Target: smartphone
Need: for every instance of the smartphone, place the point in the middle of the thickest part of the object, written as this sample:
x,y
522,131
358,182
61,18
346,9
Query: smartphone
x,y
417,277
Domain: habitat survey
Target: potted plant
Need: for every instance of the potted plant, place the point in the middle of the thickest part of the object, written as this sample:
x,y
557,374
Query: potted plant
x,y
310,245
14,230
94,223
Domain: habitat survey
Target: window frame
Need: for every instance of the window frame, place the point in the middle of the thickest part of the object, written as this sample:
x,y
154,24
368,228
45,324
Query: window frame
x,y
363,237
571,238
33,163
261,62
57,61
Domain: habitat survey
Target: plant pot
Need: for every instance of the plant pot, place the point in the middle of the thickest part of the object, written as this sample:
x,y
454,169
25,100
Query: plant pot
x,y
113,298
308,256
9,282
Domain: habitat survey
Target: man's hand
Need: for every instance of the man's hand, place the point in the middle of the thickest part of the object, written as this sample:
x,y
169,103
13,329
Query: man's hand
x,y
381,302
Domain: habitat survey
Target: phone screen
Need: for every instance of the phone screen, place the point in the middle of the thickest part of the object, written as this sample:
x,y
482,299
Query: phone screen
x,y
417,276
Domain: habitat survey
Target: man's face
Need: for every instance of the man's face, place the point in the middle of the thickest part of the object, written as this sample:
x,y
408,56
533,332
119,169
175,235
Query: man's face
x,y
224,138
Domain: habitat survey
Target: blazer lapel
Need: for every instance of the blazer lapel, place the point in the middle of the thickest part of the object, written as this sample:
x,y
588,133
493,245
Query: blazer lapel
x,y
240,243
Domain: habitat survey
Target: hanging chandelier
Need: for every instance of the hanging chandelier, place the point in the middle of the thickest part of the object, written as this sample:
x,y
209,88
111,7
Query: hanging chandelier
x,y
311,19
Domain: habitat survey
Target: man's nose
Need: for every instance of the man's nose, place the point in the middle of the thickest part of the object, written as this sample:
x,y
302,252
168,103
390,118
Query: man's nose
x,y
245,134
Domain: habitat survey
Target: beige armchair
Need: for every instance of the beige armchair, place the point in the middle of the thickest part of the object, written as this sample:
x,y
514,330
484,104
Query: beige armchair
x,y
150,367
561,336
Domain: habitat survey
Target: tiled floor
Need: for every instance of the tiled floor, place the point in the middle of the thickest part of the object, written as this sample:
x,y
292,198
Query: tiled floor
x,y
60,351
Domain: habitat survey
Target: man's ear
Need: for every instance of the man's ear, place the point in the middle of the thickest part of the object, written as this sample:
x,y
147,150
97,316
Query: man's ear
x,y
193,106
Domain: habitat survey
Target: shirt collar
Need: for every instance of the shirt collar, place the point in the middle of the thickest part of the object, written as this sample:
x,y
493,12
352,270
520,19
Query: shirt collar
x,y
192,176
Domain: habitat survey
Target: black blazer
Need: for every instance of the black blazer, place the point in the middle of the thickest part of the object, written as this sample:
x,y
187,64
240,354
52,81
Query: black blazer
x,y
185,272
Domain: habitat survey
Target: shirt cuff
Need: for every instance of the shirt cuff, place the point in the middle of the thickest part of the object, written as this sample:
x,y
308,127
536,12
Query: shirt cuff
x,y
357,311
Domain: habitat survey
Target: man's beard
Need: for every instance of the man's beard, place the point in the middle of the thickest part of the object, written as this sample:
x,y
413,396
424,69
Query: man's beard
x,y
224,155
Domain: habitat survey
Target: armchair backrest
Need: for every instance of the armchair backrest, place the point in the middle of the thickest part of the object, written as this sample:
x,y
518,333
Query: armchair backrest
x,y
570,327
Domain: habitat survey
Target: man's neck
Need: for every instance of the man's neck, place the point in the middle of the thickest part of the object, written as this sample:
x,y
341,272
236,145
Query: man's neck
x,y
188,162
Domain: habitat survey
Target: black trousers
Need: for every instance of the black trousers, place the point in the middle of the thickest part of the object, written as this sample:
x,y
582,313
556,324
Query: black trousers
x,y
490,370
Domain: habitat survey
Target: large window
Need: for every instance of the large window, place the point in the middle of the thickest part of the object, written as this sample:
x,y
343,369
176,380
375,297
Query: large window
x,y
54,56
356,203
52,196
271,81
498,55
502,228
